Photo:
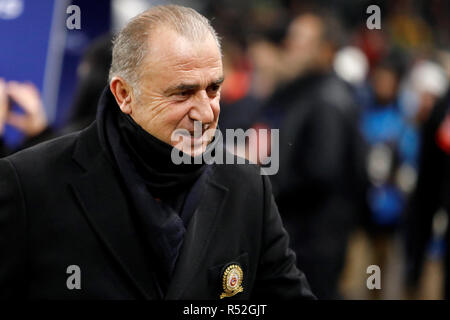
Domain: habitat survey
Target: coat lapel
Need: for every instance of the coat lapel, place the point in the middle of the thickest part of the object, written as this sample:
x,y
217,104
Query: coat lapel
x,y
105,206
195,246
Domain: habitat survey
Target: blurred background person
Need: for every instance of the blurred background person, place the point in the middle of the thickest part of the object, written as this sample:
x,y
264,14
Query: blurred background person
x,y
320,160
92,74
31,120
392,152
235,94
426,221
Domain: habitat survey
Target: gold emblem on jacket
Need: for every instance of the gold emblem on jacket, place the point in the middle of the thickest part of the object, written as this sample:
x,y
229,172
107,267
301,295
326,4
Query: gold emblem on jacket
x,y
231,281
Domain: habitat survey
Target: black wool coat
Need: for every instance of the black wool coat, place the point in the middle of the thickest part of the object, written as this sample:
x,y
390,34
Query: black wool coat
x,y
62,204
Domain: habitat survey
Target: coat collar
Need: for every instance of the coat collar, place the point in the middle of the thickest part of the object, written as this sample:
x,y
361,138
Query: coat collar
x,y
103,201
100,194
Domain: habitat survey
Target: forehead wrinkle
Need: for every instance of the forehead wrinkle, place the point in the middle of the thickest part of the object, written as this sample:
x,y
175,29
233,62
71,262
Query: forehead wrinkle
x,y
191,72
172,49
191,78
186,69
191,64
179,60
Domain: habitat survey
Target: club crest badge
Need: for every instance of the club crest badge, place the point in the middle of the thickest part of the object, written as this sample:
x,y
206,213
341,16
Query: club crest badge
x,y
231,281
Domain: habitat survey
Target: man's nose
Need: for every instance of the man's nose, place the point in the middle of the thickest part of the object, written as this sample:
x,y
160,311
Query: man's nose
x,y
201,109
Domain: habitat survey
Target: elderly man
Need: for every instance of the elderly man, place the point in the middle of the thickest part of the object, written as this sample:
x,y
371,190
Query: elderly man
x,y
105,213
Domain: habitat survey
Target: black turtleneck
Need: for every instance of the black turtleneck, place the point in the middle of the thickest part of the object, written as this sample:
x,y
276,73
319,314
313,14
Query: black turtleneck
x,y
152,158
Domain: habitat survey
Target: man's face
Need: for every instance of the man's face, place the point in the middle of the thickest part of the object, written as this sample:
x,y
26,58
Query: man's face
x,y
180,84
303,42
385,84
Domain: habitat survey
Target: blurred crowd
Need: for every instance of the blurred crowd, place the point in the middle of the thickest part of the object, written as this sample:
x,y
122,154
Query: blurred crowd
x,y
364,120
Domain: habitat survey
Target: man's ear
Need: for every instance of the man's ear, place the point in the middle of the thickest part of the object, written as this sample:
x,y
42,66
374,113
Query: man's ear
x,y
123,94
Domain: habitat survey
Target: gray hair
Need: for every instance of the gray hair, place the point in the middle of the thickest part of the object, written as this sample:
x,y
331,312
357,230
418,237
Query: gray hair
x,y
130,46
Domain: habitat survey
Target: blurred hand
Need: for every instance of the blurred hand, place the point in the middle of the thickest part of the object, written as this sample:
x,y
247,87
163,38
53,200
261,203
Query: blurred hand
x,y
3,105
27,96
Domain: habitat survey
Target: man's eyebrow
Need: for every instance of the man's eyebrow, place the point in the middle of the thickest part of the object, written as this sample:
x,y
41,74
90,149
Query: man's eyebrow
x,y
189,87
218,81
182,87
